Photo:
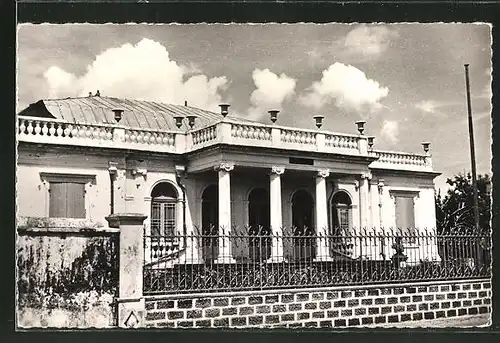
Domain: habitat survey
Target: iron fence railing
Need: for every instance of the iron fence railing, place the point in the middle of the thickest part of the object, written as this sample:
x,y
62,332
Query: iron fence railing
x,y
245,259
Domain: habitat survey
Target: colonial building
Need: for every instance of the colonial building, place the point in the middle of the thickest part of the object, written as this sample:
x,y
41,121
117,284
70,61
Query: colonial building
x,y
189,169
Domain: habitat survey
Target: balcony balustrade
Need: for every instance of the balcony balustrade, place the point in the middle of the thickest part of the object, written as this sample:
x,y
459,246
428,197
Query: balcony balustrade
x,y
402,161
54,131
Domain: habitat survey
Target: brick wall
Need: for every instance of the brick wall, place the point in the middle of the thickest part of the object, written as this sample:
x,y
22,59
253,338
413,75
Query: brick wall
x,y
317,308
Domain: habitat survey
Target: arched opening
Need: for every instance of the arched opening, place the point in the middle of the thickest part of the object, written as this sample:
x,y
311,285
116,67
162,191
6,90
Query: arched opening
x,y
210,222
341,213
259,225
303,225
163,209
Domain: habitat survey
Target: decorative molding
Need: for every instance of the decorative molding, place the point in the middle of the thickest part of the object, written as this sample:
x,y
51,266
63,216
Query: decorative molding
x,y
112,169
356,185
139,171
277,170
394,193
64,177
380,186
224,166
367,176
324,173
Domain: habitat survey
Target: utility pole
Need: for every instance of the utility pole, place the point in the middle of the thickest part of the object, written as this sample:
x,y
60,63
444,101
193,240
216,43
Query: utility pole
x,y
473,163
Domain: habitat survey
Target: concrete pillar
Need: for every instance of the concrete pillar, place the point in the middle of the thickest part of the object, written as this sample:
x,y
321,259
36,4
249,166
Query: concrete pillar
x,y
225,253
374,229
322,251
320,141
275,136
363,145
364,212
360,243
384,242
131,310
224,132
180,142
276,214
374,202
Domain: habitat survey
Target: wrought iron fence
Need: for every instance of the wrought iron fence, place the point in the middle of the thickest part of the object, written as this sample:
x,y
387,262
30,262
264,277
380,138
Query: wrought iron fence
x,y
216,260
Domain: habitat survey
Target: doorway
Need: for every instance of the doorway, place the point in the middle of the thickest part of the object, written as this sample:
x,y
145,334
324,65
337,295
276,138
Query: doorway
x,y
303,225
210,222
259,221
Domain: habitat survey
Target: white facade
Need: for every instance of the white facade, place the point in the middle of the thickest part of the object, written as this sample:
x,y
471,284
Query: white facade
x,y
122,166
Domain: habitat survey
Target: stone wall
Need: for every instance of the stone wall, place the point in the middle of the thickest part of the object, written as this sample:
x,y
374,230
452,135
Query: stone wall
x,y
321,308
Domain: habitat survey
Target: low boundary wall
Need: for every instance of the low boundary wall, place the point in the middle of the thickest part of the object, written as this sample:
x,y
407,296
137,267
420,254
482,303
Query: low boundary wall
x,y
321,307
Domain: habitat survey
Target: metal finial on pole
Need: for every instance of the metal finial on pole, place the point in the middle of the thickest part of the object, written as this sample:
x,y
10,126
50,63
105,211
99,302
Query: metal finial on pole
x,y
472,149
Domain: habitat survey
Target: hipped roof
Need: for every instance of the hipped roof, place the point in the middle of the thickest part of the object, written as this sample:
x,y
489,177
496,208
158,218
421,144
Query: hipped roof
x,y
138,114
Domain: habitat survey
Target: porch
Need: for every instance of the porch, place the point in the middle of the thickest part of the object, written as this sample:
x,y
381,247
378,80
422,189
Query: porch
x,y
238,200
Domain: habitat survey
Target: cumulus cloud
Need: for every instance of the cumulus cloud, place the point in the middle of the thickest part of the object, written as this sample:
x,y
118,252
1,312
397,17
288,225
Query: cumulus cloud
x,y
61,83
271,92
369,41
141,71
390,131
348,87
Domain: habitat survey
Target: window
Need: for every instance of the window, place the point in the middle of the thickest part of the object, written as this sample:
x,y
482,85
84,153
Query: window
x,y
341,213
163,210
67,194
405,211
67,199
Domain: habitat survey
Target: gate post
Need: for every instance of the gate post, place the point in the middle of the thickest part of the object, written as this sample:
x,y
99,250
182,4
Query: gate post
x,y
131,308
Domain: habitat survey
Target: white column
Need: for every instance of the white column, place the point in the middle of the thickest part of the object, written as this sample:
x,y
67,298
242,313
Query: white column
x,y
364,212
276,214
383,241
225,253
322,252
360,243
375,220
374,200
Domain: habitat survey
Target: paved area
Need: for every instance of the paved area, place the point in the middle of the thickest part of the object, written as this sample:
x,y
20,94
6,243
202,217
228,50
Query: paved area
x,y
461,322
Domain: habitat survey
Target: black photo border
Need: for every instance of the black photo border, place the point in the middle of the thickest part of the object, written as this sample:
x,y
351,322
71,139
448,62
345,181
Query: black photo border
x,y
151,11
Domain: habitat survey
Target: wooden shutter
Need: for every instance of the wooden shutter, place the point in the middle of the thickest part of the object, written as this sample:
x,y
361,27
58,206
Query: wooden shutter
x,y
75,200
67,200
57,202
405,213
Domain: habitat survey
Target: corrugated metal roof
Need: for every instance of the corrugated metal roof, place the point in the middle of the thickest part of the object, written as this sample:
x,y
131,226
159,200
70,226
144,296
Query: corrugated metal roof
x,y
137,113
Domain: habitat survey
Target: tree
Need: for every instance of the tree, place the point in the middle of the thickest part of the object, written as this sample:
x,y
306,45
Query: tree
x,y
455,210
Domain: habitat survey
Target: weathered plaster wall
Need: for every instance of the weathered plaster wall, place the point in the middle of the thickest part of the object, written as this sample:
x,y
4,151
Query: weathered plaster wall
x,y
67,273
